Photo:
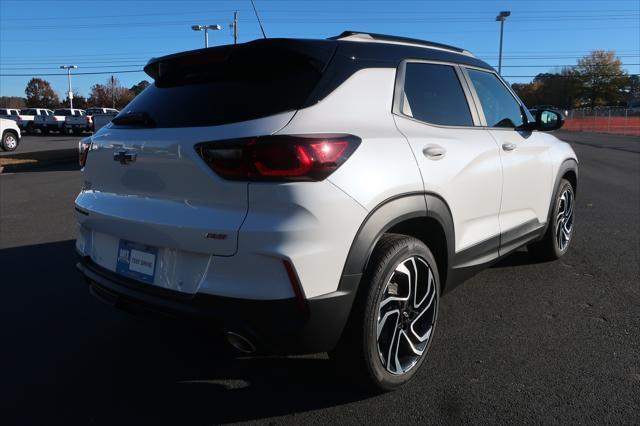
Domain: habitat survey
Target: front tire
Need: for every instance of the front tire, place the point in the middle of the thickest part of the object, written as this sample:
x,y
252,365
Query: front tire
x,y
394,317
9,141
557,239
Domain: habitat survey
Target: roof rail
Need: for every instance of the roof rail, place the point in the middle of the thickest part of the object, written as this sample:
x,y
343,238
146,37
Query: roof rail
x,y
382,38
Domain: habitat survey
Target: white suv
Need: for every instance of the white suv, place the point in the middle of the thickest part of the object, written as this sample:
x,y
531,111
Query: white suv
x,y
319,195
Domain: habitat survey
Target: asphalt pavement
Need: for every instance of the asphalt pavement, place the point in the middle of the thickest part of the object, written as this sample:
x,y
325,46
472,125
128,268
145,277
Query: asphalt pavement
x,y
38,143
522,342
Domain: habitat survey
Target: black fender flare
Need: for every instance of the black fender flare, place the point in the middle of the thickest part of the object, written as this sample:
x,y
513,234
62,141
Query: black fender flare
x,y
392,212
379,220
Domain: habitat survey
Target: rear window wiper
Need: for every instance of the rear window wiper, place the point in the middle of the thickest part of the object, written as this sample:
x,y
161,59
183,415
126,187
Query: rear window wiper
x,y
139,119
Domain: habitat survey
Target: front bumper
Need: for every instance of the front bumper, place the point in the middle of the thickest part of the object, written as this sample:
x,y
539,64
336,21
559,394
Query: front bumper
x,y
280,326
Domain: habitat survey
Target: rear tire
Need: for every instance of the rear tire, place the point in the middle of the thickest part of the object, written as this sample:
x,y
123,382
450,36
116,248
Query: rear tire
x,y
558,236
394,316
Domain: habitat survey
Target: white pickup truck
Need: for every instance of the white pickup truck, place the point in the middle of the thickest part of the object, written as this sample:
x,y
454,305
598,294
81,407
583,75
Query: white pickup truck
x,y
9,113
101,116
55,122
27,115
78,122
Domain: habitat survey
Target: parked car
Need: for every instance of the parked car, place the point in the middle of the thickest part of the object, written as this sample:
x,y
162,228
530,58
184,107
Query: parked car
x,y
78,122
27,116
56,121
10,134
319,195
9,113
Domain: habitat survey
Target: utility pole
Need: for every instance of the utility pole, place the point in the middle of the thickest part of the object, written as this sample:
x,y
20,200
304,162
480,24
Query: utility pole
x,y
501,18
70,92
234,25
113,89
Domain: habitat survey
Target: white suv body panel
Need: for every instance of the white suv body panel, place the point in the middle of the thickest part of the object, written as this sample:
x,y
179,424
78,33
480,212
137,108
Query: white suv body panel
x,y
6,124
468,177
527,178
383,166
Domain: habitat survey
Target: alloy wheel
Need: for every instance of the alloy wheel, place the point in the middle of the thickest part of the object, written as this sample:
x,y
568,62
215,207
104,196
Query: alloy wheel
x,y
564,219
407,311
10,141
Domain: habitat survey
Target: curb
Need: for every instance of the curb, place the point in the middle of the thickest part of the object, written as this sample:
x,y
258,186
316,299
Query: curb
x,y
39,159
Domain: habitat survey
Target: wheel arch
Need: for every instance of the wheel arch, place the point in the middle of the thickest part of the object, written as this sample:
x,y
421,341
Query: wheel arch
x,y
423,216
568,170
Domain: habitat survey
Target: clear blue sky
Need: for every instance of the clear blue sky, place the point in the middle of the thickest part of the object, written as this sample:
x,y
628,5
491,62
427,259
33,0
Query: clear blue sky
x,y
108,36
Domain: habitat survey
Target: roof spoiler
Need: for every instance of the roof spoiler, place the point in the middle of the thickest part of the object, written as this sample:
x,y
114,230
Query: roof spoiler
x,y
382,38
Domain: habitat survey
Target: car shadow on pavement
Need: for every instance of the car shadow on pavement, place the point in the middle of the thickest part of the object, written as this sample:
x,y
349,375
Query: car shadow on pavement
x,y
69,358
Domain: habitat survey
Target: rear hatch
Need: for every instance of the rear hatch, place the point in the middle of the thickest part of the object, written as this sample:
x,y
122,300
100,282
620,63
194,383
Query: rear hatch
x,y
144,180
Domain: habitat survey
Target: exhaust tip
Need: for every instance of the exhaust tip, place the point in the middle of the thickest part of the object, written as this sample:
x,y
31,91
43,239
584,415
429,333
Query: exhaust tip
x,y
240,342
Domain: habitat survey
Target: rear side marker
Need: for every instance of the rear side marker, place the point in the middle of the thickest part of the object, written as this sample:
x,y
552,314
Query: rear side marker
x,y
297,287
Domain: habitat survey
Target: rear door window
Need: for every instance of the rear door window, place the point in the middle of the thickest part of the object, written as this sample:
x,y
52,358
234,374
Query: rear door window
x,y
433,94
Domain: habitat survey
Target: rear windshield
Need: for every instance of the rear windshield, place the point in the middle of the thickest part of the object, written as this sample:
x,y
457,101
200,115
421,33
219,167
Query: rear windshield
x,y
62,112
227,86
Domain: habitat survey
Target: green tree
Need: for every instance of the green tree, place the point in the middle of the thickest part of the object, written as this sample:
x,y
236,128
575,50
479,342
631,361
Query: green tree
x,y
40,94
603,79
138,88
111,93
79,101
633,88
561,89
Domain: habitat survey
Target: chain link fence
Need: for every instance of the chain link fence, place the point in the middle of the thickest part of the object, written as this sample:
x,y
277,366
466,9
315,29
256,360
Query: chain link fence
x,y
619,121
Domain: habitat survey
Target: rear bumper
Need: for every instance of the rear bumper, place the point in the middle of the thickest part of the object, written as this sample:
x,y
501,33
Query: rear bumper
x,y
274,326
54,127
78,126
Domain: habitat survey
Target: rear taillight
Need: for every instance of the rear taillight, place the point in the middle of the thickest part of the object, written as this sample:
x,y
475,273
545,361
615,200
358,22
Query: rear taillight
x,y
83,151
279,157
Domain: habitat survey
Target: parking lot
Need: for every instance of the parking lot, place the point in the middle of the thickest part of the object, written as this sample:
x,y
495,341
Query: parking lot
x,y
521,342
39,143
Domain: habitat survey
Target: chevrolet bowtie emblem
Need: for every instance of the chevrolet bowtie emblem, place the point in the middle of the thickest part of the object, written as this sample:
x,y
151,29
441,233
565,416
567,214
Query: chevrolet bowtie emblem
x,y
124,157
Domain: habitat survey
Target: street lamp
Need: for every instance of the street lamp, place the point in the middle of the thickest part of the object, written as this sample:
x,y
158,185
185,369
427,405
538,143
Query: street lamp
x,y
70,93
501,17
206,29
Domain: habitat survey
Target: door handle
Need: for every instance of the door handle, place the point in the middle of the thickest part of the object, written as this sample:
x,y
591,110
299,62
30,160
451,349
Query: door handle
x,y
509,146
434,152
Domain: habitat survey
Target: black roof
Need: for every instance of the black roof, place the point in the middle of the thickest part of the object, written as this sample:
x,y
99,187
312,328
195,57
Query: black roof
x,y
383,50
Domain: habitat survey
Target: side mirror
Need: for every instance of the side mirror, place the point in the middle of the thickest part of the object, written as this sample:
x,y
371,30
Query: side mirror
x,y
548,120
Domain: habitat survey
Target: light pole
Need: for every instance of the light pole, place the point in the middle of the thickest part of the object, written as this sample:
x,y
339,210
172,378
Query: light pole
x,y
501,17
206,29
70,93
